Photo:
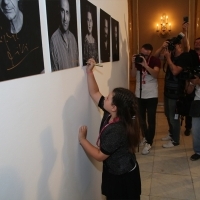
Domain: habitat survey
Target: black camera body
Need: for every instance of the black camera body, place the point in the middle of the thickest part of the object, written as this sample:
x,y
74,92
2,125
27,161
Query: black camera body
x,y
185,19
138,58
176,40
190,73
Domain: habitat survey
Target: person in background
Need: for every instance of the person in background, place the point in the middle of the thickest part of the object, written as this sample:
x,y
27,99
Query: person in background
x,y
195,60
119,136
146,72
174,86
63,45
193,85
90,47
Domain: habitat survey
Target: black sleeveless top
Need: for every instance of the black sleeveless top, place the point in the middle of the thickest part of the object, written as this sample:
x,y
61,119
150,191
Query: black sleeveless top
x,y
114,142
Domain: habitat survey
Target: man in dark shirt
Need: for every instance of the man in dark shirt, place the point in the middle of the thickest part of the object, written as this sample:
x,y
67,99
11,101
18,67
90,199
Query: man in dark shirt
x,y
20,43
195,59
193,86
174,86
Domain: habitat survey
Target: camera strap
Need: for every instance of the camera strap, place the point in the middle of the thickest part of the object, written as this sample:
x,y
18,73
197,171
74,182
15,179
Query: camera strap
x,y
148,59
115,120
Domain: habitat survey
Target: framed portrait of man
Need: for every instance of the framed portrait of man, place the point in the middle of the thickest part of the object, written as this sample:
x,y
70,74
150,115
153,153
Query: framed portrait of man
x,y
21,52
104,36
89,31
115,39
62,31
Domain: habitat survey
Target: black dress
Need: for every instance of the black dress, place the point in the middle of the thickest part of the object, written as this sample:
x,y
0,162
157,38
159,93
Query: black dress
x,y
121,176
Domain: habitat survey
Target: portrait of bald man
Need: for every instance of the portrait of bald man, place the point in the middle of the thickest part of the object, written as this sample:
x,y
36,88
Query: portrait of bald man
x,y
63,42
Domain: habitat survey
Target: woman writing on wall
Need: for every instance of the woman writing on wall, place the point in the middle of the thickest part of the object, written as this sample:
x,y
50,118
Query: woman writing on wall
x,y
90,47
119,136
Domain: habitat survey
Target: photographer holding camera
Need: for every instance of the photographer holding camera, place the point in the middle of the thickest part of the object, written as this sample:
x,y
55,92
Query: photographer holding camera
x,y
177,61
145,68
189,73
193,85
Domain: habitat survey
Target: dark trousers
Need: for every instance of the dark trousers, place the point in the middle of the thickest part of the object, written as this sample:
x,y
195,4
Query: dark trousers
x,y
188,122
108,198
148,115
174,124
188,119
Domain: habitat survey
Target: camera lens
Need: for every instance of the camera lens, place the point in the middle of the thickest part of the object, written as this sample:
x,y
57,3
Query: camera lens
x,y
138,59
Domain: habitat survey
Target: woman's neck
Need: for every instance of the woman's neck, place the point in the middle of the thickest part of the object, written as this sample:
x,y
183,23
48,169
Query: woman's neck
x,y
113,118
90,38
17,23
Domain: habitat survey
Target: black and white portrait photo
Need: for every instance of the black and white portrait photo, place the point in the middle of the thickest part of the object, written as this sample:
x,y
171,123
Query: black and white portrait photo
x,y
115,39
104,36
20,39
89,31
62,30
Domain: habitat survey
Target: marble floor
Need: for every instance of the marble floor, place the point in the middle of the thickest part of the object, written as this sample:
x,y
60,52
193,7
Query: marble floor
x,y
168,174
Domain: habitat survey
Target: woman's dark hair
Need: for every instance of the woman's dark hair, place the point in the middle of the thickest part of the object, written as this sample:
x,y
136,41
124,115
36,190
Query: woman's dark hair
x,y
88,9
127,111
147,47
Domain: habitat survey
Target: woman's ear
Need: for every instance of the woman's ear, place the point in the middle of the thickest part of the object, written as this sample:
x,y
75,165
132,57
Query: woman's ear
x,y
114,108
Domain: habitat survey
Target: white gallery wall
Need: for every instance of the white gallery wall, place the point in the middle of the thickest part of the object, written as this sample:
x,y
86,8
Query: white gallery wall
x,y
40,156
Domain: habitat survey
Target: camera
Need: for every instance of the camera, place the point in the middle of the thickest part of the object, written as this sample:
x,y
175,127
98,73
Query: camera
x,y
185,19
175,40
190,73
138,58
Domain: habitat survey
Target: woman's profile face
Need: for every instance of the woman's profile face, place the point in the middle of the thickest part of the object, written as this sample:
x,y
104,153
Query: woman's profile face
x,y
108,102
89,22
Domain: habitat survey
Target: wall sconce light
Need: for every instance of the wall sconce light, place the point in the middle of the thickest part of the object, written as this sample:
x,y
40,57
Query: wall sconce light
x,y
165,27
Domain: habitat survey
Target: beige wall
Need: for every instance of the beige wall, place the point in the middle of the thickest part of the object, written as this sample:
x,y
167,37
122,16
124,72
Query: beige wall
x,y
198,19
146,14
149,13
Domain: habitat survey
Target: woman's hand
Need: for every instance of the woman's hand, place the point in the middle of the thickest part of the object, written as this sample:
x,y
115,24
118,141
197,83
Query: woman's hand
x,y
185,27
165,44
82,133
90,65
